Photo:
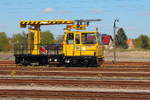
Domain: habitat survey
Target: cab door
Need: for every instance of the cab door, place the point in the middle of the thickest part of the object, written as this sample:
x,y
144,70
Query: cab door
x,y
77,46
69,45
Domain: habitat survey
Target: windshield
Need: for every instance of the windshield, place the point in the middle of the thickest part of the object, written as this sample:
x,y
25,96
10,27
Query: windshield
x,y
88,38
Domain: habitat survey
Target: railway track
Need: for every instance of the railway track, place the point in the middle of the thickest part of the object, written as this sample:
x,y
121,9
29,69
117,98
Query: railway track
x,y
88,95
78,74
59,69
7,62
69,82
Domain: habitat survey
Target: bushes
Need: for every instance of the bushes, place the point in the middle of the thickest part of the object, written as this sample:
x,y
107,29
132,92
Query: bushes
x,y
4,41
143,41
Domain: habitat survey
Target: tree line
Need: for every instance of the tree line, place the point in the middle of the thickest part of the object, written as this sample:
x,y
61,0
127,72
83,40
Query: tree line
x,y
9,43
143,41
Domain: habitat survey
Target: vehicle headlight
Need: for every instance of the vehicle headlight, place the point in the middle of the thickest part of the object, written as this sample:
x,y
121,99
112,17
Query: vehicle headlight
x,y
83,48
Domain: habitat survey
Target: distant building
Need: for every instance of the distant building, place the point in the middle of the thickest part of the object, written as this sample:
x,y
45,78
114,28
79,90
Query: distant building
x,y
110,45
131,43
107,41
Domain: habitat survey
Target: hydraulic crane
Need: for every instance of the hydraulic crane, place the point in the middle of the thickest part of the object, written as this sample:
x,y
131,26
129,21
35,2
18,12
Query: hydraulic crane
x,y
34,27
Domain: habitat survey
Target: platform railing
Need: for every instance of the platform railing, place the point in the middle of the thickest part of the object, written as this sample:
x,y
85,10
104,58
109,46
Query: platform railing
x,y
47,49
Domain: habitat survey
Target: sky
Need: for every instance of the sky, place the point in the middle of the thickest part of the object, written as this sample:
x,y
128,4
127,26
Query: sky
x,y
133,15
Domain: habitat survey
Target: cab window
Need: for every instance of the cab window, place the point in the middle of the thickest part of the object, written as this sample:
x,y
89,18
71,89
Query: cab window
x,y
77,39
88,38
70,38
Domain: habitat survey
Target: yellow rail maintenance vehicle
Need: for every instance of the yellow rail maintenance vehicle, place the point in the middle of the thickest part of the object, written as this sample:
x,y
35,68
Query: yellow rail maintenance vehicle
x,y
79,47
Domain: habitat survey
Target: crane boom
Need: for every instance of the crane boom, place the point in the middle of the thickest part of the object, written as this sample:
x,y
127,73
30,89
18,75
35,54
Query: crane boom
x,y
23,24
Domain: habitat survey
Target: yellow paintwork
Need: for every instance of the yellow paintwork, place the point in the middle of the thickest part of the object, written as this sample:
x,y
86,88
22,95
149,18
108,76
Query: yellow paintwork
x,y
76,27
36,41
82,49
24,23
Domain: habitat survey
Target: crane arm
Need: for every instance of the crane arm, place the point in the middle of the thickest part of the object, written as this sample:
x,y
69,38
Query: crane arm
x,y
25,23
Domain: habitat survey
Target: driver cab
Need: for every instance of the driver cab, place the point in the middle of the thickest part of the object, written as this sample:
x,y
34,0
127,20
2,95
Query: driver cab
x,y
80,43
